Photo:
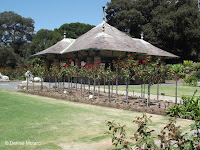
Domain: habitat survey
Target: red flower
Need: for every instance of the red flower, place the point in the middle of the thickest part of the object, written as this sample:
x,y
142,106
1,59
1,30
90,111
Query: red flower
x,y
90,65
129,55
148,56
96,62
132,64
70,60
65,64
143,61
85,63
86,67
55,65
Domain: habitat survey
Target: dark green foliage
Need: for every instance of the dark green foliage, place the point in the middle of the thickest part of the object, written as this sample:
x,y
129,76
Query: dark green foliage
x,y
171,25
15,31
74,30
195,66
175,69
190,108
191,81
174,110
7,57
43,39
196,74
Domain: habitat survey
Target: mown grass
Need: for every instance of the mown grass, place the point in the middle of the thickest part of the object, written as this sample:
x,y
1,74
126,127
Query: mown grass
x,y
60,124
168,90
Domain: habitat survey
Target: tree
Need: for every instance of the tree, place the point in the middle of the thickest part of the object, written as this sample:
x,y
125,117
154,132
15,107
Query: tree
x,y
43,39
15,31
168,24
123,15
7,57
74,30
176,28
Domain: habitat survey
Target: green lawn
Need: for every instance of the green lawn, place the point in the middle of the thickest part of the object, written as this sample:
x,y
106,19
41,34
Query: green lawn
x,y
168,90
58,124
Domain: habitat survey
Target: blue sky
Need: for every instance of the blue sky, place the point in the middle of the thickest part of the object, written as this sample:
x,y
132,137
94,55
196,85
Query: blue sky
x,y
51,14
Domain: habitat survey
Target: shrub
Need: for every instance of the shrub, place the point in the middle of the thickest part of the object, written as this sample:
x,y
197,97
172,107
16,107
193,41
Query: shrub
x,y
170,137
177,69
191,81
196,74
187,63
196,66
190,108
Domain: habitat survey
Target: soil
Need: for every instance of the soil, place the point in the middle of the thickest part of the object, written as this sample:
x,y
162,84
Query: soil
x,y
116,101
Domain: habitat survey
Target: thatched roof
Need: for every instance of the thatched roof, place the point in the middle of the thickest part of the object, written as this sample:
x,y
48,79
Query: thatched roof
x,y
58,47
106,37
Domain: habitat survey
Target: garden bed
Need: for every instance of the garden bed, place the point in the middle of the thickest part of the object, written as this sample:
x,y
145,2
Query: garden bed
x,y
117,101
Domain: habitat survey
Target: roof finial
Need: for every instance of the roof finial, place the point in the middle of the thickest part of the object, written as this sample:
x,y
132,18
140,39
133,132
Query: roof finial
x,y
142,35
103,26
64,34
103,13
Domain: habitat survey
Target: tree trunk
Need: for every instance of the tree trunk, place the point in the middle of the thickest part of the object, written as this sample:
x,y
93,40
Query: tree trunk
x,y
58,85
117,85
89,85
77,81
144,92
99,90
27,84
49,83
55,83
84,85
109,89
68,84
94,85
112,89
157,92
63,83
104,82
141,90
33,83
41,84
81,85
176,89
127,91
71,83
148,99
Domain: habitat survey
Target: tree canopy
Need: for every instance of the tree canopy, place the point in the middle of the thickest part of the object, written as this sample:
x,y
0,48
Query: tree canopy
x,y
74,30
18,41
43,39
15,31
169,24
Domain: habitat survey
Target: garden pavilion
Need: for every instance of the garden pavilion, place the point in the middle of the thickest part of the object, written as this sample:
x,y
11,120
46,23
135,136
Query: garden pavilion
x,y
103,44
